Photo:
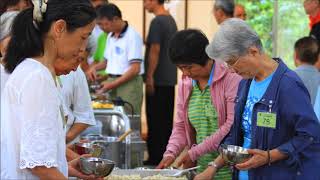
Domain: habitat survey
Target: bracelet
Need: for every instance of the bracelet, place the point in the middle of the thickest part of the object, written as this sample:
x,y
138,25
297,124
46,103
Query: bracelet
x,y
213,164
269,157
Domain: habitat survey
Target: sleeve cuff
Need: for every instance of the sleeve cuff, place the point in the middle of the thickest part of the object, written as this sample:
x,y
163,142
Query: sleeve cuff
x,y
168,154
135,60
192,153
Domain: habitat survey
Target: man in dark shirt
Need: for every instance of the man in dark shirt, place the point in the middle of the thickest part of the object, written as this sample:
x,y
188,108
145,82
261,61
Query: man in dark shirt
x,y
160,80
312,8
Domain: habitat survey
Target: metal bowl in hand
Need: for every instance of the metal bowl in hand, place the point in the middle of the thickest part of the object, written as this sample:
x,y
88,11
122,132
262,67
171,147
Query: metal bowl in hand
x,y
96,166
234,154
88,148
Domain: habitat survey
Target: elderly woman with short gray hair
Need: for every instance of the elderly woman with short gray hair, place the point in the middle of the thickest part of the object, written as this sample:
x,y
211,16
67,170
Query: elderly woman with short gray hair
x,y
274,118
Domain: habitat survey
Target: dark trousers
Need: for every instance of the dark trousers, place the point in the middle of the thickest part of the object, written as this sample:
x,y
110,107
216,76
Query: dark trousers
x,y
159,108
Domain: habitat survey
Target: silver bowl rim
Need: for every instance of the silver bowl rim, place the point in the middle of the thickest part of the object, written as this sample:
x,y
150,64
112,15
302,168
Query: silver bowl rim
x,y
91,159
230,148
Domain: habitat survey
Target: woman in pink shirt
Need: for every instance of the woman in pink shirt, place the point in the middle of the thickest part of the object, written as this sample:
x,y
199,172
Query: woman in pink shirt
x,y
187,51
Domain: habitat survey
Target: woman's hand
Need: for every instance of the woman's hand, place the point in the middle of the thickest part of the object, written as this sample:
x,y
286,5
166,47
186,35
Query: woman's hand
x,y
165,162
186,162
74,169
258,159
71,155
207,174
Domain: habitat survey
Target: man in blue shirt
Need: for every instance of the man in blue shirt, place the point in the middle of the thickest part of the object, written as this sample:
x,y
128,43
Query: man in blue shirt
x,y
306,53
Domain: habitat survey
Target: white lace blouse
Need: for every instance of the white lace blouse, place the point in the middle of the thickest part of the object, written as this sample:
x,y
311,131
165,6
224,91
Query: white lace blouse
x,y
32,131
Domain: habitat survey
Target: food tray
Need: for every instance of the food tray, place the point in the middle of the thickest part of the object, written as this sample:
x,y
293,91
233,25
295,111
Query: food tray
x,y
143,173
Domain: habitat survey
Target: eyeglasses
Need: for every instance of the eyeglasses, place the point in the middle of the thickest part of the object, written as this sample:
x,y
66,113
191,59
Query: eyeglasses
x,y
232,62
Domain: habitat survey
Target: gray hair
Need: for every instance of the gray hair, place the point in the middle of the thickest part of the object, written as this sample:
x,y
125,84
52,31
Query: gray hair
x,y
6,21
227,6
233,39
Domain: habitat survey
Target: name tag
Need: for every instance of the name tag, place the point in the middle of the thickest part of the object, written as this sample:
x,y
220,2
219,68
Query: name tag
x,y
266,119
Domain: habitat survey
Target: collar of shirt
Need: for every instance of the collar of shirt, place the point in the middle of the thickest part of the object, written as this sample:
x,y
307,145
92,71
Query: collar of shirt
x,y
124,30
194,82
307,67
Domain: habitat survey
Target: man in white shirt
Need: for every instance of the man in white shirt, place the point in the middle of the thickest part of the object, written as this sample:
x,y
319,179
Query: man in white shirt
x,y
77,99
123,58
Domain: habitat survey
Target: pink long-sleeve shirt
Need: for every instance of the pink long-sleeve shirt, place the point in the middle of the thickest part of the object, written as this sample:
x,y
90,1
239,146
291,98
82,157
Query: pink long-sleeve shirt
x,y
224,88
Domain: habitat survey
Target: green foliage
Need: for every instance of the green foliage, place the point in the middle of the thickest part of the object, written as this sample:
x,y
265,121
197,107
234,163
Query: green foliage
x,y
259,16
292,24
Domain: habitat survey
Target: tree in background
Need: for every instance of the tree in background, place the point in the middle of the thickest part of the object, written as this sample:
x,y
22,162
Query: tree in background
x,y
292,24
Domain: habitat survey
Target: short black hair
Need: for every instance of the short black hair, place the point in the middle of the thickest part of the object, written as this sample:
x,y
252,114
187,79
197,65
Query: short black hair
x,y
188,47
108,11
307,50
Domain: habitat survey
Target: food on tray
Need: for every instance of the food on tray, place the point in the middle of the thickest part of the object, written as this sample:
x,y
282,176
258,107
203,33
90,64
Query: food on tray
x,y
123,177
100,97
101,105
158,177
138,177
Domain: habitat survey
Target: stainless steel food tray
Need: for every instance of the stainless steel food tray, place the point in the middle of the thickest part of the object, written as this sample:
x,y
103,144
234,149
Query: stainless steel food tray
x,y
150,172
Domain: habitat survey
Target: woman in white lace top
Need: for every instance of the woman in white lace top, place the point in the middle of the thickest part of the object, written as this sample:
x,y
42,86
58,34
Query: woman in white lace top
x,y
32,123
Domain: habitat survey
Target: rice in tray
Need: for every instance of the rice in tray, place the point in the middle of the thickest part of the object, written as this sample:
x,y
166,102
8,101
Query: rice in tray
x,y
138,177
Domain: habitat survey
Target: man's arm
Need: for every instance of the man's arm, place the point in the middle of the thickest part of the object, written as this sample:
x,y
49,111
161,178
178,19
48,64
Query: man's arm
x,y
132,72
75,130
91,73
99,66
153,60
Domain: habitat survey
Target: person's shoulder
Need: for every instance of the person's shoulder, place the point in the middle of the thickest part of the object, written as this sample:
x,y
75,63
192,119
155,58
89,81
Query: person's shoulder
x,y
290,76
133,33
160,18
290,81
29,67
163,19
30,73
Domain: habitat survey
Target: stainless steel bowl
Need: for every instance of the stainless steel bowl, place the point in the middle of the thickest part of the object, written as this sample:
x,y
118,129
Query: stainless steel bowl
x,y
234,154
88,148
97,166
92,137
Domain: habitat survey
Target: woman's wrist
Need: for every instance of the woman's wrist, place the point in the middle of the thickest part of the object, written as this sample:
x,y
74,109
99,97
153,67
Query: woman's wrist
x,y
269,160
214,165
